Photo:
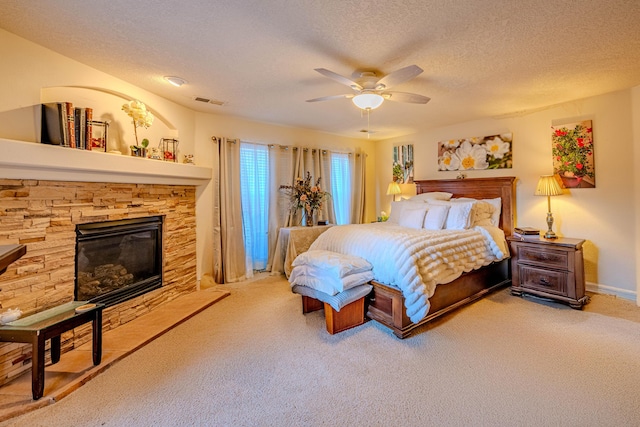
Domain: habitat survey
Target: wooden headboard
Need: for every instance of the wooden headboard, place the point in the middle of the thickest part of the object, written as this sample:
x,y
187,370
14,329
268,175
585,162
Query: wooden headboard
x,y
479,188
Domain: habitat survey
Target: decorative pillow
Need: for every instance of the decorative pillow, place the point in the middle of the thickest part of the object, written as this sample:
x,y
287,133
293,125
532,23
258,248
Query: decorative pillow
x,y
433,195
413,217
485,215
460,216
396,212
398,207
497,210
436,217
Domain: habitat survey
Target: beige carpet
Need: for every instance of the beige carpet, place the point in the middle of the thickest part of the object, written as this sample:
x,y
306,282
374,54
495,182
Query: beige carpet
x,y
253,359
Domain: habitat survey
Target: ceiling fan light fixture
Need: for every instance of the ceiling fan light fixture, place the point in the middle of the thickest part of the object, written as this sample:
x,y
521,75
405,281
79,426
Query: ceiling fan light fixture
x,y
368,101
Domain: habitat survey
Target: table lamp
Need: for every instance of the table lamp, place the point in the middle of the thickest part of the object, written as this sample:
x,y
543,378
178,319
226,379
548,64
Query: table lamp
x,y
393,189
548,186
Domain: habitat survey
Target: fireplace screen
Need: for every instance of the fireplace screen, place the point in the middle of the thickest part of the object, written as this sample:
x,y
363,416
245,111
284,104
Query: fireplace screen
x,y
118,260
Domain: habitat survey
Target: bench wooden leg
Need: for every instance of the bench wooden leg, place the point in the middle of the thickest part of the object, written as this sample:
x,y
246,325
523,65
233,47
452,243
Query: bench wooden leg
x,y
97,337
350,316
55,350
37,367
311,304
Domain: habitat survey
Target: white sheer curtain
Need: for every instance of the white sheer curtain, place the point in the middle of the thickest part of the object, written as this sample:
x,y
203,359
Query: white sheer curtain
x,y
229,255
341,187
254,189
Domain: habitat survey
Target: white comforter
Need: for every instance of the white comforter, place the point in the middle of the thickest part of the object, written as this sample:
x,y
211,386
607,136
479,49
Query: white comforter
x,y
415,261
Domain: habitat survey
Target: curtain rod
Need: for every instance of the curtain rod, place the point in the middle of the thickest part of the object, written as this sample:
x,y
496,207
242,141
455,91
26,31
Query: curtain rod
x,y
284,147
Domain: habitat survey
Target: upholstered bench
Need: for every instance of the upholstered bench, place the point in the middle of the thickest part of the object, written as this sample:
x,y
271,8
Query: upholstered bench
x,y
342,311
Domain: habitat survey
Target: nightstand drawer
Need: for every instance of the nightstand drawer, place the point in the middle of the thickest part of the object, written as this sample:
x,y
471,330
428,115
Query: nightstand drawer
x,y
543,280
543,256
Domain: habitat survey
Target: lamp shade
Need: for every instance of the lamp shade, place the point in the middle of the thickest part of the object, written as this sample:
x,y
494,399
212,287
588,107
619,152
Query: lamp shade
x,y
393,189
548,186
368,101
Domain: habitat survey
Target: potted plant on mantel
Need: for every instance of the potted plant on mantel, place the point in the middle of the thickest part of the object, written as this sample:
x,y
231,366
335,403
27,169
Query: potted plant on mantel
x,y
573,154
141,117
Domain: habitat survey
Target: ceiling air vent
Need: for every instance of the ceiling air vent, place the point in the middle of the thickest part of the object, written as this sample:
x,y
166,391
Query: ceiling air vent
x,y
208,101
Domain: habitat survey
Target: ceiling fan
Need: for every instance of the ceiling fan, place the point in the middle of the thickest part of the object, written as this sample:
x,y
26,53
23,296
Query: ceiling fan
x,y
370,90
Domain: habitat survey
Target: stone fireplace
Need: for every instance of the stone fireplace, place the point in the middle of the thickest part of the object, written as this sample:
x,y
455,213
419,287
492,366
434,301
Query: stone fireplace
x,y
44,215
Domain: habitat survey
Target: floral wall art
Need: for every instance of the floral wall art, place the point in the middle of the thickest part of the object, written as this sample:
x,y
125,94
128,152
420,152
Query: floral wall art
x,y
481,152
403,164
572,148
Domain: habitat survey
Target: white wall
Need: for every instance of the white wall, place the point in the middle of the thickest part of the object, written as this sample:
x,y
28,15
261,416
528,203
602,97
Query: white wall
x,y
605,216
32,74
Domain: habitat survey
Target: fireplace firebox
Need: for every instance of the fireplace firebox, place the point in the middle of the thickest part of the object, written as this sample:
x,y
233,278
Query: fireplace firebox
x,y
118,260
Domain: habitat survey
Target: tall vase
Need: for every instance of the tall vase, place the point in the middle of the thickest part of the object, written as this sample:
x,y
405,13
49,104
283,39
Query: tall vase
x,y
309,218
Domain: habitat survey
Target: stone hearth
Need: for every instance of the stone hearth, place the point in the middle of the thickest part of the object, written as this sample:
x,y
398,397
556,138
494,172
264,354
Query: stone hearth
x,y
43,215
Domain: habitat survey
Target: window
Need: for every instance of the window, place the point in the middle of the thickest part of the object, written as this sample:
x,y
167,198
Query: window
x,y
341,187
254,181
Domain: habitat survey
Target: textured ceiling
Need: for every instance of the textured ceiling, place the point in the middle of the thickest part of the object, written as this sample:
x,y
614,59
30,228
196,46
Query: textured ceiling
x,y
481,58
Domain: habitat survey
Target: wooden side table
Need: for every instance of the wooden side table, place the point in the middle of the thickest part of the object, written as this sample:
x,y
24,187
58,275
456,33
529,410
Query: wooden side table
x,y
49,324
550,268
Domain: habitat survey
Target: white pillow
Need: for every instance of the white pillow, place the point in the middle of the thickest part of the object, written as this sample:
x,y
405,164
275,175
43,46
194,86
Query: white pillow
x,y
397,209
460,216
435,217
433,195
413,217
396,212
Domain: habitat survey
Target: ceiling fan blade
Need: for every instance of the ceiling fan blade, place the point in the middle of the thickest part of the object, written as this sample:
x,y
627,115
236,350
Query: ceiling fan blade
x,y
339,78
398,76
327,98
413,98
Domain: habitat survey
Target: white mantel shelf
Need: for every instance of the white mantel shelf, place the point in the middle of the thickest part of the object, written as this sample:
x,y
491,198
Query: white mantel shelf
x,y
29,160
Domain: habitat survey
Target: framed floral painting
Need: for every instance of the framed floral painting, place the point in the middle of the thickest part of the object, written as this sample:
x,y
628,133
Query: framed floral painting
x,y
480,152
572,148
403,164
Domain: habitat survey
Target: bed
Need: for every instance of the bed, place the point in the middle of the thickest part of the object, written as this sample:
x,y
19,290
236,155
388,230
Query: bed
x,y
388,304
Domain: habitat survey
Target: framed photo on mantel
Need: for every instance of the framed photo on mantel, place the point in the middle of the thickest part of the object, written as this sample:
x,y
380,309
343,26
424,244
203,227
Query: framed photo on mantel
x,y
99,131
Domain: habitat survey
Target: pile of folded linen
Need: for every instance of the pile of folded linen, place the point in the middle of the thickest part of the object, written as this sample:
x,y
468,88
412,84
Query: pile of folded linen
x,y
331,277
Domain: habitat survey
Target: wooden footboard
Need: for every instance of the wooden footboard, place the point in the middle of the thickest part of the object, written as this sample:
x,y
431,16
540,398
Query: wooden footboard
x,y
386,304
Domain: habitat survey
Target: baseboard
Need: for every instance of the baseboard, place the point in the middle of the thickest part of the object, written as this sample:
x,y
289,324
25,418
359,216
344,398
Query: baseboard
x,y
610,290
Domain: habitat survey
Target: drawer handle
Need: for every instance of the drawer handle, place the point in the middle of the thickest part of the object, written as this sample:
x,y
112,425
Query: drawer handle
x,y
544,281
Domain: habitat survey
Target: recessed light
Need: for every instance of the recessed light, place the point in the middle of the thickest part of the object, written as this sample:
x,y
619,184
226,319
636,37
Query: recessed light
x,y
176,81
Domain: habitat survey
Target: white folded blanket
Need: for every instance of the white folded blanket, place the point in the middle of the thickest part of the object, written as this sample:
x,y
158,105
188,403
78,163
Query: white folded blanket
x,y
327,281
336,264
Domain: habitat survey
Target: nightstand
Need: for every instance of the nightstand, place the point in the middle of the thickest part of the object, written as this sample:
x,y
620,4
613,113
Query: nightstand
x,y
550,268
